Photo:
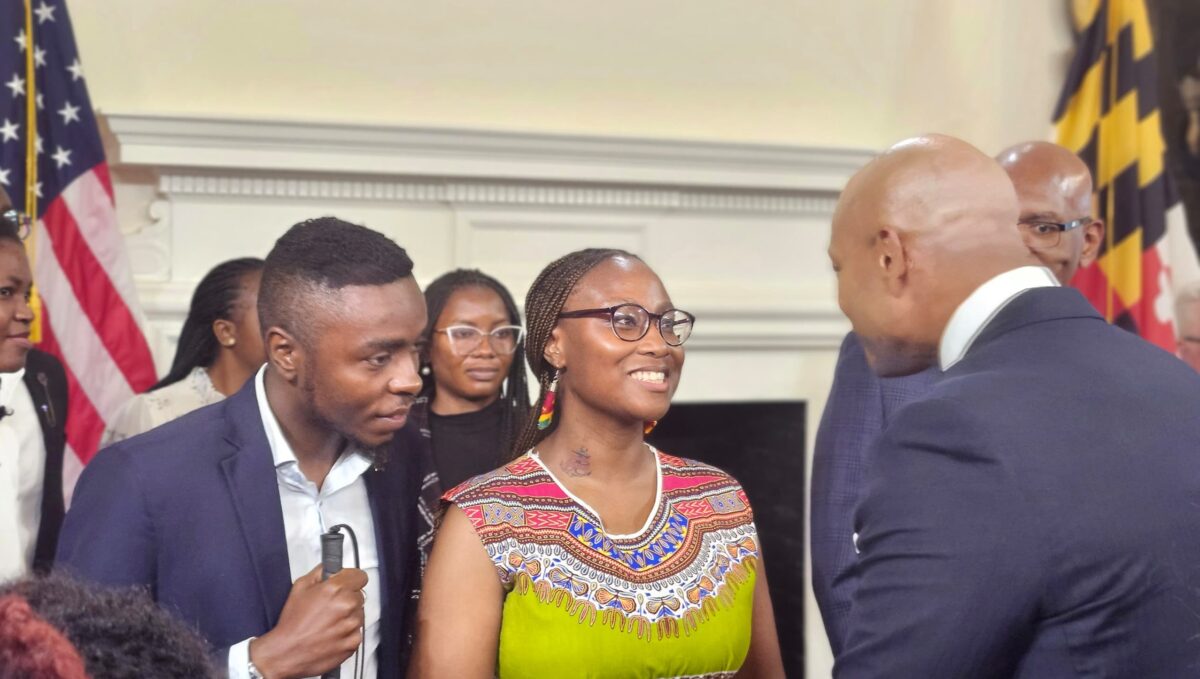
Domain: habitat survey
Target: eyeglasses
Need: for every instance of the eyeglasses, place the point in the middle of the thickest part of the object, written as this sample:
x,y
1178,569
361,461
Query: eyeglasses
x,y
19,221
631,322
1042,235
466,338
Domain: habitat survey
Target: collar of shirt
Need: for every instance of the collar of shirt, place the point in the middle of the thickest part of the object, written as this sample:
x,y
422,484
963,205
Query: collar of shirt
x,y
981,306
8,386
349,466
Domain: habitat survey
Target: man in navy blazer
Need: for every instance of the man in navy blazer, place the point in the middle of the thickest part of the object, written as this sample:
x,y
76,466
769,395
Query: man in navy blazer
x,y
219,513
859,407
1053,187
1030,516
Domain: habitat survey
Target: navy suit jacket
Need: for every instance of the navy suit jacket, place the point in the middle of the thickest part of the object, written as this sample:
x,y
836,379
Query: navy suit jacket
x,y
1036,513
859,407
191,511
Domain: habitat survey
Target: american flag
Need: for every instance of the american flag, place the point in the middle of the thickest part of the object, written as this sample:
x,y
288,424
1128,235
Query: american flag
x,y
89,315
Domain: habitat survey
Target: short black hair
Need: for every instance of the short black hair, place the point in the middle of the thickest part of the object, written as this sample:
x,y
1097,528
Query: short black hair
x,y
322,255
118,633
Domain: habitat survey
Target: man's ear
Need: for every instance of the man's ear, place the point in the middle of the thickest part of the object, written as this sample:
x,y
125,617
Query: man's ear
x,y
284,352
553,353
891,259
1093,238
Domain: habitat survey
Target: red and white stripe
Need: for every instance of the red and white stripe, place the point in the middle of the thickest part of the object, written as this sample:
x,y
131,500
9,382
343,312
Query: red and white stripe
x,y
90,316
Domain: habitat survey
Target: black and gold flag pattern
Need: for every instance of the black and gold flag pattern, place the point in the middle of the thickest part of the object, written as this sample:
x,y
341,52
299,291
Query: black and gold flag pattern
x,y
1108,113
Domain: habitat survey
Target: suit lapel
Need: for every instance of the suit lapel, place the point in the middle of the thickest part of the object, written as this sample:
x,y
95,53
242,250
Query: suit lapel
x,y
249,472
45,382
37,382
392,492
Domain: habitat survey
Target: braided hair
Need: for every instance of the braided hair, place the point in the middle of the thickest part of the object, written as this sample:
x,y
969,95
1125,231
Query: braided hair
x,y
515,393
215,298
544,302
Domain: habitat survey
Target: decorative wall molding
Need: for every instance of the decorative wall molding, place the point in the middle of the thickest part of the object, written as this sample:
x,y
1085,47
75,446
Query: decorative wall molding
x,y
495,193
751,219
282,146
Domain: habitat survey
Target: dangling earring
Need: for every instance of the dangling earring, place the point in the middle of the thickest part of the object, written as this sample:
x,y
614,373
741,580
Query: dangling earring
x,y
547,415
648,426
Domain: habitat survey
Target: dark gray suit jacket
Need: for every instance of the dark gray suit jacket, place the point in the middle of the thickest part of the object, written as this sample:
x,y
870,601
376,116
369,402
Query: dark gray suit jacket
x,y
47,384
859,407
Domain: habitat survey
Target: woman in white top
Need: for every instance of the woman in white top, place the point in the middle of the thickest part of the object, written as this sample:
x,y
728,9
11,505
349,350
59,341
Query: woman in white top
x,y
220,347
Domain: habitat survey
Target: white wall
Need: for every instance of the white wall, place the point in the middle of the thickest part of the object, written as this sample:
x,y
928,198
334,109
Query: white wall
x,y
857,73
847,74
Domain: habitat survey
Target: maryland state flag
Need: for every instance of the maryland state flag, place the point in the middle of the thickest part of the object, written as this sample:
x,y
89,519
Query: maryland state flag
x,y
1108,113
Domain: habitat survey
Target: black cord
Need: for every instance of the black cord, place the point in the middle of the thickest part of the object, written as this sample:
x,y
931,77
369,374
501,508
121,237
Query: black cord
x,y
359,669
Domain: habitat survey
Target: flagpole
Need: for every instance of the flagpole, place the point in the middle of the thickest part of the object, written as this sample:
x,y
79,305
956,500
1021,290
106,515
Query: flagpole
x,y
31,167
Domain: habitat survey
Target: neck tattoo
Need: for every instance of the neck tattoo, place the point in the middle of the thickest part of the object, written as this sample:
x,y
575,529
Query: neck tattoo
x,y
578,464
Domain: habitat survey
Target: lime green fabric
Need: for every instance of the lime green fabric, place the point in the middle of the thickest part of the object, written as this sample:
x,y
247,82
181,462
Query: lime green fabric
x,y
561,638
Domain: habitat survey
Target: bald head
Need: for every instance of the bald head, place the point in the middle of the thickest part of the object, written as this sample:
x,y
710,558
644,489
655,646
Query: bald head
x,y
914,233
1054,186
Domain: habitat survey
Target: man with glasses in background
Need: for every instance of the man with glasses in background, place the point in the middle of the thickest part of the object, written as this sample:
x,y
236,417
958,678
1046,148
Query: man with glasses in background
x,y
33,412
1187,324
1054,189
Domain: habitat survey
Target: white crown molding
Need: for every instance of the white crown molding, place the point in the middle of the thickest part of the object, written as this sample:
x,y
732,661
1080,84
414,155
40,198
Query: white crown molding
x,y
270,146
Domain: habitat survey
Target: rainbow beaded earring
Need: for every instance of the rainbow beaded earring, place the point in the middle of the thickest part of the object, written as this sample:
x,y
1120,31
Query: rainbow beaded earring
x,y
547,415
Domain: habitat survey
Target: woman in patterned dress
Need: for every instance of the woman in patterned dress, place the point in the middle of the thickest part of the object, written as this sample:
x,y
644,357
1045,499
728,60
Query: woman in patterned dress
x,y
592,554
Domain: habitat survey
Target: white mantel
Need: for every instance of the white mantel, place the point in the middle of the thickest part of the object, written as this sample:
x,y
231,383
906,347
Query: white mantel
x,y
286,146
737,232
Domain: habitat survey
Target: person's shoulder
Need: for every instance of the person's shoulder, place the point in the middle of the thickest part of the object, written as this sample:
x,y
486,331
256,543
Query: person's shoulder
x,y
515,481
685,474
192,435
37,359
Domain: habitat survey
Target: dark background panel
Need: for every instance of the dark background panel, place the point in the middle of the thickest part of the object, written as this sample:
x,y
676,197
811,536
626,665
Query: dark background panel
x,y
762,446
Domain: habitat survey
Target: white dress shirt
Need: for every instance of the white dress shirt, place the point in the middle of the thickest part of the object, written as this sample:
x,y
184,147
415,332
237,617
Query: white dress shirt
x,y
22,476
308,512
981,306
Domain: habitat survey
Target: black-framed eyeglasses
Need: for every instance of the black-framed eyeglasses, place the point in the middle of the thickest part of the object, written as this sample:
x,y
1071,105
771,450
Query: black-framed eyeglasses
x,y
631,322
466,338
20,221
1043,235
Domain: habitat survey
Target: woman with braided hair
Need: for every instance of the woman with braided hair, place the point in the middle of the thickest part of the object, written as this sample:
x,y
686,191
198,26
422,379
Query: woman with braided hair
x,y
474,397
613,559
